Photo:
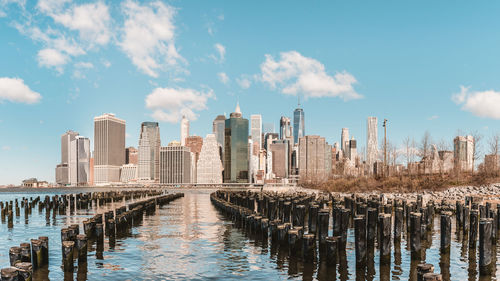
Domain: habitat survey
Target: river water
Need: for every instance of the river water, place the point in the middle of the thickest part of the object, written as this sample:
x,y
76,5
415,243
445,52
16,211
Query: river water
x,y
188,239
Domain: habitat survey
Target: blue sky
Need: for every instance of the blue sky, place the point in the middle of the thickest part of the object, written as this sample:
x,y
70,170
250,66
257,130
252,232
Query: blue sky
x,y
422,65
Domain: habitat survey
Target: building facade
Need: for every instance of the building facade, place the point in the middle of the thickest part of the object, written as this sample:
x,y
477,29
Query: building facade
x,y
344,142
149,153
109,148
299,129
79,161
184,130
236,156
314,159
371,142
256,130
218,127
128,173
195,144
62,170
463,153
209,166
175,165
285,128
131,155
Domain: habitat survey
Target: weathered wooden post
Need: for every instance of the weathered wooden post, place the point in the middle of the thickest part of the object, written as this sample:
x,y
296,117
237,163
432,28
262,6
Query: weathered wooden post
x,y
445,232
25,271
44,241
422,269
81,246
385,238
360,240
308,246
9,274
36,253
466,218
474,221
323,219
371,230
14,255
415,245
287,211
331,249
293,241
432,277
398,223
313,218
25,252
67,250
485,247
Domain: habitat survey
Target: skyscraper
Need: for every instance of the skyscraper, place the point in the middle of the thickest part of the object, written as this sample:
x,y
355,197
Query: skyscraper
x,y
315,159
109,148
344,142
209,166
236,148
62,170
79,161
285,128
218,129
298,124
149,152
194,143
463,152
256,130
131,155
184,130
353,153
175,164
371,142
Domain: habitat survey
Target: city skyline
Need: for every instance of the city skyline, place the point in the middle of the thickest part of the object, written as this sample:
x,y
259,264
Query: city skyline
x,y
51,85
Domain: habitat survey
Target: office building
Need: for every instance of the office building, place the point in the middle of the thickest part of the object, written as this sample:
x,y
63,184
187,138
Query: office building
x,y
298,124
79,161
175,165
236,148
256,131
314,159
184,130
463,153
149,152
62,170
285,128
109,148
344,142
131,155
209,166
371,142
128,173
195,144
218,127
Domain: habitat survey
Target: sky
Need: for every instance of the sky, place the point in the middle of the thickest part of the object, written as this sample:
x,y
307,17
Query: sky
x,y
422,65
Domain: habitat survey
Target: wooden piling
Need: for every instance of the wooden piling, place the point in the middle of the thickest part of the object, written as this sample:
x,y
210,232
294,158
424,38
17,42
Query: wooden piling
x,y
81,246
415,235
385,238
360,240
68,250
445,229
485,247
474,222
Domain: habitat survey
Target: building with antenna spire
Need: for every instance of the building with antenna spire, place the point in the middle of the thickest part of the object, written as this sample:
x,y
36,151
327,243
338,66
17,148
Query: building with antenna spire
x,y
299,129
236,148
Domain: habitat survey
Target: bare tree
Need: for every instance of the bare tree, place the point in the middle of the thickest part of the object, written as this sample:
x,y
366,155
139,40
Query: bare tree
x,y
476,154
443,145
406,144
425,145
394,153
494,144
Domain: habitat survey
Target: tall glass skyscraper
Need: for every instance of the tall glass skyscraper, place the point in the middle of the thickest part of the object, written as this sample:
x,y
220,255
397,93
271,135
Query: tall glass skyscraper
x,y
299,129
236,148
149,152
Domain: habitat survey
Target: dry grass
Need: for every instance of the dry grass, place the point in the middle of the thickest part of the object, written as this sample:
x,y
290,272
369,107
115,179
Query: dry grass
x,y
404,183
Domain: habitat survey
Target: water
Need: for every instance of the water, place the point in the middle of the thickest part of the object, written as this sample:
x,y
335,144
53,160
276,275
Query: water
x,y
190,239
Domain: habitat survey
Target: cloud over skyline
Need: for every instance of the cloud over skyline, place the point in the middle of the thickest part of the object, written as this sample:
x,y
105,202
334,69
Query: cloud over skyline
x,y
485,104
14,90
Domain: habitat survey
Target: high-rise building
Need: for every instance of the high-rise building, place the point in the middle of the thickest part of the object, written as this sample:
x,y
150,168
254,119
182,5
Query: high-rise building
x,y
280,160
285,128
131,155
148,167
344,142
79,161
128,173
256,130
353,153
109,148
463,153
218,129
209,166
62,170
184,130
236,148
299,129
175,165
194,143
371,142
315,159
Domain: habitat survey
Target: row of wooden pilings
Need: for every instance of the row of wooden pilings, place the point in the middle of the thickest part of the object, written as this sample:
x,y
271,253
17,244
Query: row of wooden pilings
x,y
301,222
24,260
59,204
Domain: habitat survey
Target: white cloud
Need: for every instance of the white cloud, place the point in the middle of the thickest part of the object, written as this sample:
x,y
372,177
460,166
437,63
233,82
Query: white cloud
x,y
433,117
295,74
14,90
221,52
170,104
244,82
52,58
149,36
84,64
91,20
484,104
223,77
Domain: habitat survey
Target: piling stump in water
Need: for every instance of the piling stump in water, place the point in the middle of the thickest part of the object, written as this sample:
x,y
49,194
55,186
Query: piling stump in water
x,y
68,248
9,274
466,218
423,269
293,241
25,252
308,246
99,233
432,277
485,245
25,270
313,218
14,255
415,245
474,221
81,246
323,219
36,253
445,229
385,238
360,240
44,241
371,230
331,250
398,223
